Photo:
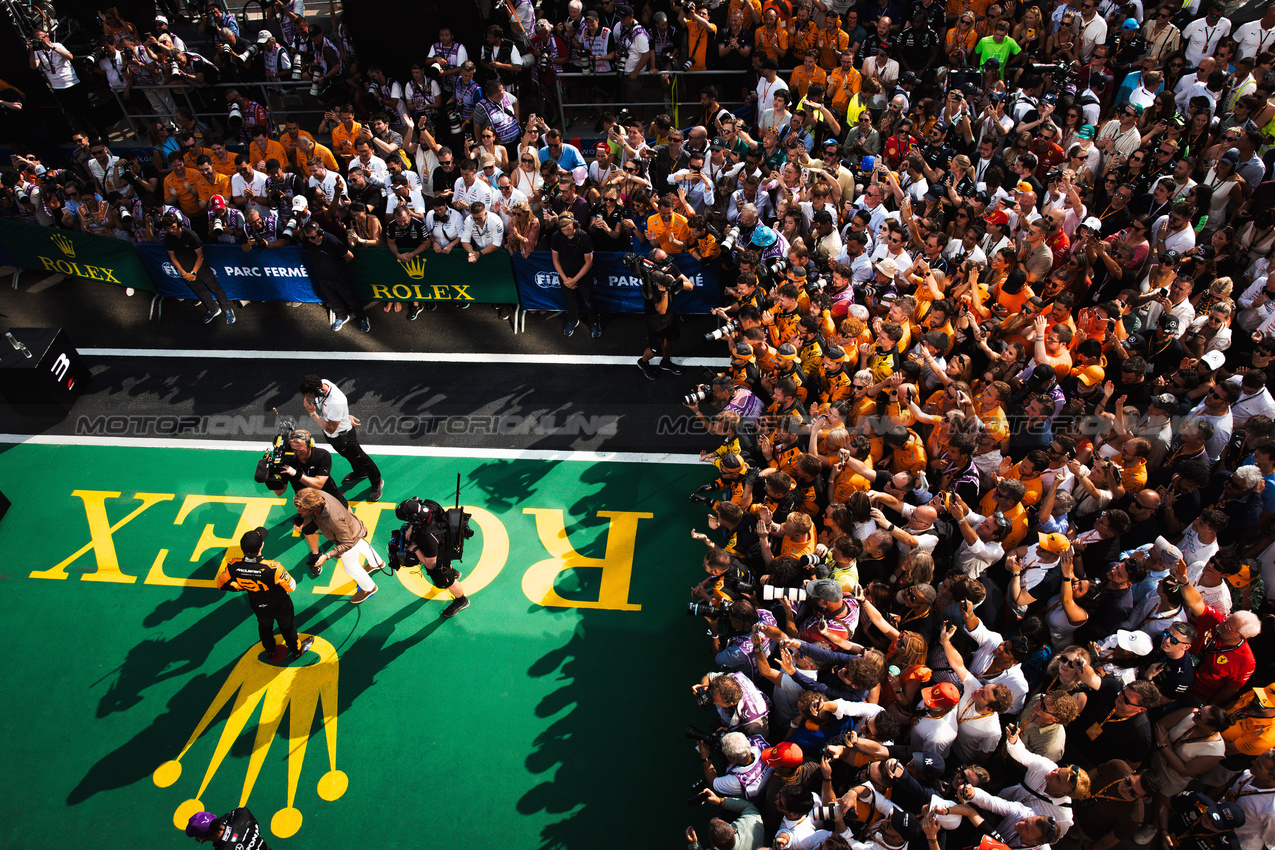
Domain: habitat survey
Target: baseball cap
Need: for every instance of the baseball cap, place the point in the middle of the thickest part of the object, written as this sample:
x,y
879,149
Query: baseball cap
x,y
1041,376
1093,223
1265,696
786,754
486,160
199,825
1056,543
624,10
1226,816
217,202
399,179
1139,642
718,144
825,589
999,217
1214,359
1165,401
942,695
299,203
263,36
1232,156
744,351
1169,554
1024,186
253,540
1129,24
836,354
1169,324
928,765
1086,132
160,19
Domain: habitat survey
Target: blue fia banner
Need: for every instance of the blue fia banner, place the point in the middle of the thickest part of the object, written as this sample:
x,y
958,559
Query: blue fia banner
x,y
276,274
615,288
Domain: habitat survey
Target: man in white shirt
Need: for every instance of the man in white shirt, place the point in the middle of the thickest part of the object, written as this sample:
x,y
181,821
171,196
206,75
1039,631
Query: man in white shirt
x,y
935,731
1254,792
328,182
483,233
1173,232
769,83
248,187
371,164
1047,789
504,198
1203,34
1120,134
54,61
445,225
1255,399
468,189
328,407
1256,36
978,722
1093,29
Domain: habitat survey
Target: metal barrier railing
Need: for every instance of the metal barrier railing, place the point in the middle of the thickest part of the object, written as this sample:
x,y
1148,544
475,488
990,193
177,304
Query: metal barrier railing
x,y
185,91
616,76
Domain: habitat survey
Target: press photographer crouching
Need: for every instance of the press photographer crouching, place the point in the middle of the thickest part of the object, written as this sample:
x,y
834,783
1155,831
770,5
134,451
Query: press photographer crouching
x,y
225,223
260,232
432,537
303,465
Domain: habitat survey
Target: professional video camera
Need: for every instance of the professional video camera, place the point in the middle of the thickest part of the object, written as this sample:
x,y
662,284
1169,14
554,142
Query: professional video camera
x,y
450,527
660,277
270,466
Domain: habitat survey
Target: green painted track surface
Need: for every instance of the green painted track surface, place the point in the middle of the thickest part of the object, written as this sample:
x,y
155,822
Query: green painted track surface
x,y
515,723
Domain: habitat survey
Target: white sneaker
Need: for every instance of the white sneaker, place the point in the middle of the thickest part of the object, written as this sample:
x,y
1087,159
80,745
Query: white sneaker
x,y
1145,835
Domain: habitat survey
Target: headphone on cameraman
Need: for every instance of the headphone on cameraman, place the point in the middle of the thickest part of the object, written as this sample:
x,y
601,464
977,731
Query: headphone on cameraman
x,y
412,510
309,438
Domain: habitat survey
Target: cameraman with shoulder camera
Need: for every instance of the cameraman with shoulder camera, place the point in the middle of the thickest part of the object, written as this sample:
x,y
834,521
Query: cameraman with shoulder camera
x,y
421,542
662,326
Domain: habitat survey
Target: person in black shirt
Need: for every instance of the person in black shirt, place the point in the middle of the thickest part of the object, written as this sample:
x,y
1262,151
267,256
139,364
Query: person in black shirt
x,y
665,160
312,467
445,175
1114,724
573,259
326,258
267,584
359,189
186,253
606,223
919,43
236,828
1174,672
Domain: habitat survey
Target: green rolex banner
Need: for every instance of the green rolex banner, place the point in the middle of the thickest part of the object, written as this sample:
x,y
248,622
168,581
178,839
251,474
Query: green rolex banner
x,y
76,254
434,277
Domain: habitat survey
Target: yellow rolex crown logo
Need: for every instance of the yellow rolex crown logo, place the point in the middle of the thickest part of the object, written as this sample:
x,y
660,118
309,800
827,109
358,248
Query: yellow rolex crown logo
x,y
64,243
302,690
414,267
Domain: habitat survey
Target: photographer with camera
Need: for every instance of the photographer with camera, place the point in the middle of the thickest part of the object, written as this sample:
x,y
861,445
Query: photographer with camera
x,y
260,232
54,62
268,586
225,223
425,523
660,278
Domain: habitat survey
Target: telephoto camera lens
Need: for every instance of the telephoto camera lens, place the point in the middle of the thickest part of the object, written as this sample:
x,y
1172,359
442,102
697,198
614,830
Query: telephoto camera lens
x,y
809,560
126,218
723,332
218,227
234,118
697,395
728,241
773,594
825,813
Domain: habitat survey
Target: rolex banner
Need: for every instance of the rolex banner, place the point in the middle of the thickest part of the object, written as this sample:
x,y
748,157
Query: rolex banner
x,y
74,254
432,276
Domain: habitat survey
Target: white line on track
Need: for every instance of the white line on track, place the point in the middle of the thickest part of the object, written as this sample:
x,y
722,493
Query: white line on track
x,y
402,451
392,356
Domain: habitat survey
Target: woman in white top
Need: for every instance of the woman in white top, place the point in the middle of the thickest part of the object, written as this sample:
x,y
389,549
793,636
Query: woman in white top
x,y
1224,180
526,177
487,144
1188,743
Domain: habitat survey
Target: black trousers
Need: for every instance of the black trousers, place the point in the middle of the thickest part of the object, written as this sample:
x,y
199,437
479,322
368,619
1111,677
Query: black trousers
x,y
581,296
283,612
340,296
209,290
347,446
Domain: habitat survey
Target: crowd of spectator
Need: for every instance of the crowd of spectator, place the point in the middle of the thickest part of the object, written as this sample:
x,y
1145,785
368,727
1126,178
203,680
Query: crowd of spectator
x,y
1001,320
